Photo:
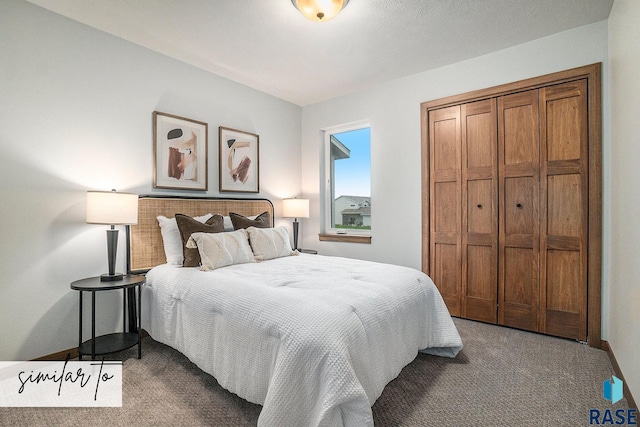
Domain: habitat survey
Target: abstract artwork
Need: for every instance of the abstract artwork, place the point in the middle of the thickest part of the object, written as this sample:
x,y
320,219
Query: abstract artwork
x,y
180,150
239,161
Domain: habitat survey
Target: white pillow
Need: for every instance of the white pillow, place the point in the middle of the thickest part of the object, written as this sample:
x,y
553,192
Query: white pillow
x,y
171,237
221,249
269,243
228,225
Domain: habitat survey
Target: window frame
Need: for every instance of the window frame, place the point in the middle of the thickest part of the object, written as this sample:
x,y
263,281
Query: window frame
x,y
329,232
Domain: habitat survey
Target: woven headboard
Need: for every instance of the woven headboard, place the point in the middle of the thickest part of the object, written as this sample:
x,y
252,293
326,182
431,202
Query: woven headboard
x,y
145,249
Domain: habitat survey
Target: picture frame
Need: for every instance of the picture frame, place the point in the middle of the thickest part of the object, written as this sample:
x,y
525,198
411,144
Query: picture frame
x,y
239,158
180,149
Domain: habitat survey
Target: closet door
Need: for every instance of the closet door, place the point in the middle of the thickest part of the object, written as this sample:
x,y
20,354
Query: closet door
x,y
541,195
445,211
564,207
479,210
519,178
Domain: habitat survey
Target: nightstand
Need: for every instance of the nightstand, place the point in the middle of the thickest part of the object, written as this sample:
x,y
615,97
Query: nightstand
x,y
117,341
308,251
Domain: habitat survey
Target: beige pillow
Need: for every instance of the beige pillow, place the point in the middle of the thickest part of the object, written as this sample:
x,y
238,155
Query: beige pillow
x,y
221,249
269,243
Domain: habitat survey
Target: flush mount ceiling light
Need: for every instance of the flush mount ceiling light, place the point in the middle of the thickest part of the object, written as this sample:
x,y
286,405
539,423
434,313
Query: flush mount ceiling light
x,y
320,10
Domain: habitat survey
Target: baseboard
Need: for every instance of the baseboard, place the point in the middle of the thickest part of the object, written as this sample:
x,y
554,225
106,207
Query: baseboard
x,y
71,353
625,389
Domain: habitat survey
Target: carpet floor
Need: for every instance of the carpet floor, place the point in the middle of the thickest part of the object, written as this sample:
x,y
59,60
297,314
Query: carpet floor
x,y
502,377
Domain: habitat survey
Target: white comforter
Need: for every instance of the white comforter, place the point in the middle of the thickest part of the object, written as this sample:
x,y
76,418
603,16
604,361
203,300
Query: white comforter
x,y
313,339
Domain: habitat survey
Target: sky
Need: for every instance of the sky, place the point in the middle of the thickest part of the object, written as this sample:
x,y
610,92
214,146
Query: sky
x,y
353,175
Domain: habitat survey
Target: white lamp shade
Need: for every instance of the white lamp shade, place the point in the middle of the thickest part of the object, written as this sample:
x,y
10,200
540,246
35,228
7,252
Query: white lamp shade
x,y
295,208
112,208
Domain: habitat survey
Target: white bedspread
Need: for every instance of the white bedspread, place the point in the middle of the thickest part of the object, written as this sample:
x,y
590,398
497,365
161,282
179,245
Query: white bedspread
x,y
313,339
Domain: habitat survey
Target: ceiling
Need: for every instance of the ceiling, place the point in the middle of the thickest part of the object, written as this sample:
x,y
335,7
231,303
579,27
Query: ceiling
x,y
269,46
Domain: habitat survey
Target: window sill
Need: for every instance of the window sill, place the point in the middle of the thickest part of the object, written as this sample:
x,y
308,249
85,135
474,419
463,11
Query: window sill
x,y
351,238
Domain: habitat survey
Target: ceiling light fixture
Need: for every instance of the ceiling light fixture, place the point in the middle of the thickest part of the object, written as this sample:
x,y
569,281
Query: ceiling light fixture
x,y
320,10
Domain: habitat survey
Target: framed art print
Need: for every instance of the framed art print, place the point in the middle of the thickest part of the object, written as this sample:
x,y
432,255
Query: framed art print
x,y
180,152
239,161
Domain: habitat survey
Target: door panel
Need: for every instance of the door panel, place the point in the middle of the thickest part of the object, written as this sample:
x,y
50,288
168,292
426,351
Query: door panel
x,y
446,273
519,271
480,275
564,213
518,208
480,135
563,276
520,127
564,207
520,302
445,150
445,209
479,176
519,178
563,129
480,282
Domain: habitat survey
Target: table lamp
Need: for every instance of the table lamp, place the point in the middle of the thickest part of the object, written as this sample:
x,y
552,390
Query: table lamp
x,y
295,208
112,208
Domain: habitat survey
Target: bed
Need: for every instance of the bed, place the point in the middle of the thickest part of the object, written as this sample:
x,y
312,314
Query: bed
x,y
313,339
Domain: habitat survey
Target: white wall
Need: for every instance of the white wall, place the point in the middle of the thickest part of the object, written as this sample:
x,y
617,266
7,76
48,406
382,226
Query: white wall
x,y
624,316
393,110
76,115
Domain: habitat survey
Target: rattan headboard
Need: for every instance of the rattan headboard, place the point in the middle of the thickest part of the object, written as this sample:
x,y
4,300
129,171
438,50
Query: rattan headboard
x,y
145,249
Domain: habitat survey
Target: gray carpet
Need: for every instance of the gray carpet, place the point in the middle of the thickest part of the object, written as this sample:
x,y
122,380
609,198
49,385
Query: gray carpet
x,y
502,377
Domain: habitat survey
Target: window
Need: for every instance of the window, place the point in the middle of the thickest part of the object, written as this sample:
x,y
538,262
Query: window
x,y
348,171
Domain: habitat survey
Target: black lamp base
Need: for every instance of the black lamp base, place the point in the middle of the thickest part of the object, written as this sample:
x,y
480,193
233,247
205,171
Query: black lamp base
x,y
295,234
111,277
112,247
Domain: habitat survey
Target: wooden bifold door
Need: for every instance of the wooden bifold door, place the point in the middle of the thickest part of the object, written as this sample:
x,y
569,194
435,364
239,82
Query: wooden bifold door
x,y
507,228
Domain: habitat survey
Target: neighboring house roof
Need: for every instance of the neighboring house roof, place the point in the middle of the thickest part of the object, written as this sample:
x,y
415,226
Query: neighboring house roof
x,y
360,211
356,199
338,149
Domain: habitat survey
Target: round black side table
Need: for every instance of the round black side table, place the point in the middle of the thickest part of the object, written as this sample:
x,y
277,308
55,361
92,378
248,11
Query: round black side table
x,y
118,341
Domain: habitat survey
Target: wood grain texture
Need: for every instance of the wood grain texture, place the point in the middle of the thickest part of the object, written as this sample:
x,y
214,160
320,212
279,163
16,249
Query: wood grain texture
x,y
445,209
594,257
564,208
519,201
348,238
479,228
